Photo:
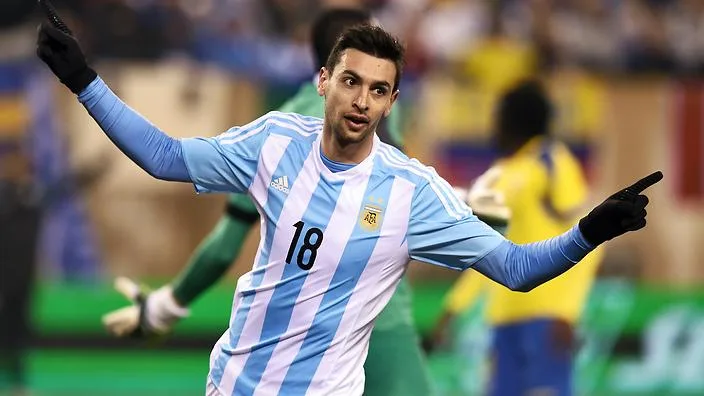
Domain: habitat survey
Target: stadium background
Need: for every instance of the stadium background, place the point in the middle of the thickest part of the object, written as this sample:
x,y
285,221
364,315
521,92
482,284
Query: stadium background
x,y
627,79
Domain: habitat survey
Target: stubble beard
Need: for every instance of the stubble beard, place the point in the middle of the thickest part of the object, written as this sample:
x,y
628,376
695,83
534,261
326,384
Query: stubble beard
x,y
344,137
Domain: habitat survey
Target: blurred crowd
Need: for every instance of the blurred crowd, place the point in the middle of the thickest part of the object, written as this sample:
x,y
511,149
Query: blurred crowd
x,y
462,53
607,36
455,48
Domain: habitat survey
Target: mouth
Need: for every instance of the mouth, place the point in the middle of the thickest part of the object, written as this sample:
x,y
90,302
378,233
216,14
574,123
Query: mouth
x,y
356,122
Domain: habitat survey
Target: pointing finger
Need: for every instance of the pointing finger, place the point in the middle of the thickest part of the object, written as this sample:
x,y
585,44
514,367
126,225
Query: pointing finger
x,y
638,187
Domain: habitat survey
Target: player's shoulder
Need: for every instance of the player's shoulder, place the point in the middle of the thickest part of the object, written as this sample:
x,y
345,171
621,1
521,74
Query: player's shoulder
x,y
562,154
396,163
526,168
535,161
424,180
558,158
293,125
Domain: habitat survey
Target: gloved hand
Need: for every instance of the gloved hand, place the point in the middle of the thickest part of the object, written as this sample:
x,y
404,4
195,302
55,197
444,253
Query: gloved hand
x,y
487,203
64,57
622,212
152,314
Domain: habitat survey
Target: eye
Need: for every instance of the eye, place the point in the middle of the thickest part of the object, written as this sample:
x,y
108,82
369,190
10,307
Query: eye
x,y
380,91
349,81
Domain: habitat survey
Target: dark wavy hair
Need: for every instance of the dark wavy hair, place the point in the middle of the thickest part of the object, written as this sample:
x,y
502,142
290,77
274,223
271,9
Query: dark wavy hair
x,y
371,40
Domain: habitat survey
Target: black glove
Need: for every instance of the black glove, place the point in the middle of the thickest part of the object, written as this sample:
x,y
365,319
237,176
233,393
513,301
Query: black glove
x,y
64,57
620,213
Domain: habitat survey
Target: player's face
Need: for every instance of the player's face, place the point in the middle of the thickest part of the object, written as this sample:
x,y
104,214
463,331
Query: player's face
x,y
358,93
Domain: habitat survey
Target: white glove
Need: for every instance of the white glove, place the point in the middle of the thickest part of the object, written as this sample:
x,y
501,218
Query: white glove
x,y
486,202
152,314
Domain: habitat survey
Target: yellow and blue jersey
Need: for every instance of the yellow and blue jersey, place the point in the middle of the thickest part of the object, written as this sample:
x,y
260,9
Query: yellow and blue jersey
x,y
545,188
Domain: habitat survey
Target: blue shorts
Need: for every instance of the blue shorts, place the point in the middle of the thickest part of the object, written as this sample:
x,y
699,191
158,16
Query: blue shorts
x,y
532,358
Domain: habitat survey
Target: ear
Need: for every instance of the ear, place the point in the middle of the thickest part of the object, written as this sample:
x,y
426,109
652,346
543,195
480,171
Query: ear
x,y
394,96
323,80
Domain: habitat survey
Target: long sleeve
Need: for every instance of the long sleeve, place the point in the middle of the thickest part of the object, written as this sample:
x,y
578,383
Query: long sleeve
x,y
524,267
458,239
154,151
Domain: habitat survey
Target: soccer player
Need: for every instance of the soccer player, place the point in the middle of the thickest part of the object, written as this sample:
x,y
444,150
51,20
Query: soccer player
x,y
542,185
395,364
335,243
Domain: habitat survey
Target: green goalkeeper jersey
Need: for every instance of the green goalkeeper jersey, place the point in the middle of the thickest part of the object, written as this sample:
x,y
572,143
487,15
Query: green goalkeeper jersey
x,y
395,364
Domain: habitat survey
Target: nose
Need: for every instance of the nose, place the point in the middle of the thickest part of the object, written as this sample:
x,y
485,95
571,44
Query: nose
x,y
361,102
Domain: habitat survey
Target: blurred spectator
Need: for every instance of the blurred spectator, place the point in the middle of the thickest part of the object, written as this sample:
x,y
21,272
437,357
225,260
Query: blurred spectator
x,y
259,40
645,40
112,28
684,24
451,26
498,61
243,36
37,189
585,34
19,206
19,195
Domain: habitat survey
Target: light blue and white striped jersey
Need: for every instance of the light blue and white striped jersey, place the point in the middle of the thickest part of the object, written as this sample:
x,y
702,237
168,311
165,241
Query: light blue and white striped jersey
x,y
333,248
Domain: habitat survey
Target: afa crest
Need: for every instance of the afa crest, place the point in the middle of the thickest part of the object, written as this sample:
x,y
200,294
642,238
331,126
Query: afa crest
x,y
371,217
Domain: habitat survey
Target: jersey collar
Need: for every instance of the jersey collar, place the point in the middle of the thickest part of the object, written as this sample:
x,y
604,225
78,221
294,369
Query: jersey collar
x,y
361,169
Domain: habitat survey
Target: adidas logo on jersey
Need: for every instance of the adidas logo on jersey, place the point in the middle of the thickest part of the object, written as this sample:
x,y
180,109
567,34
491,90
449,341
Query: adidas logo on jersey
x,y
281,184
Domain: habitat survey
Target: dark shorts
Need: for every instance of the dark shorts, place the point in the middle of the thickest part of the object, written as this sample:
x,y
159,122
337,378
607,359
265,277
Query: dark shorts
x,y
532,358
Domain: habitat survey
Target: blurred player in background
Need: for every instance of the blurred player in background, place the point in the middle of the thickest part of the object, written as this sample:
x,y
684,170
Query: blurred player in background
x,y
544,190
394,365
42,217
20,209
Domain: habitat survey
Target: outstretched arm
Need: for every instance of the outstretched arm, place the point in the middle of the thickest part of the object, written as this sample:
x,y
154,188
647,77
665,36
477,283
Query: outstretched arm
x,y
523,267
154,151
468,242
226,163
151,149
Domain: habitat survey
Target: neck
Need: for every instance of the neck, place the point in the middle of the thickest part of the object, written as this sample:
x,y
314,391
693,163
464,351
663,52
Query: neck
x,y
346,153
